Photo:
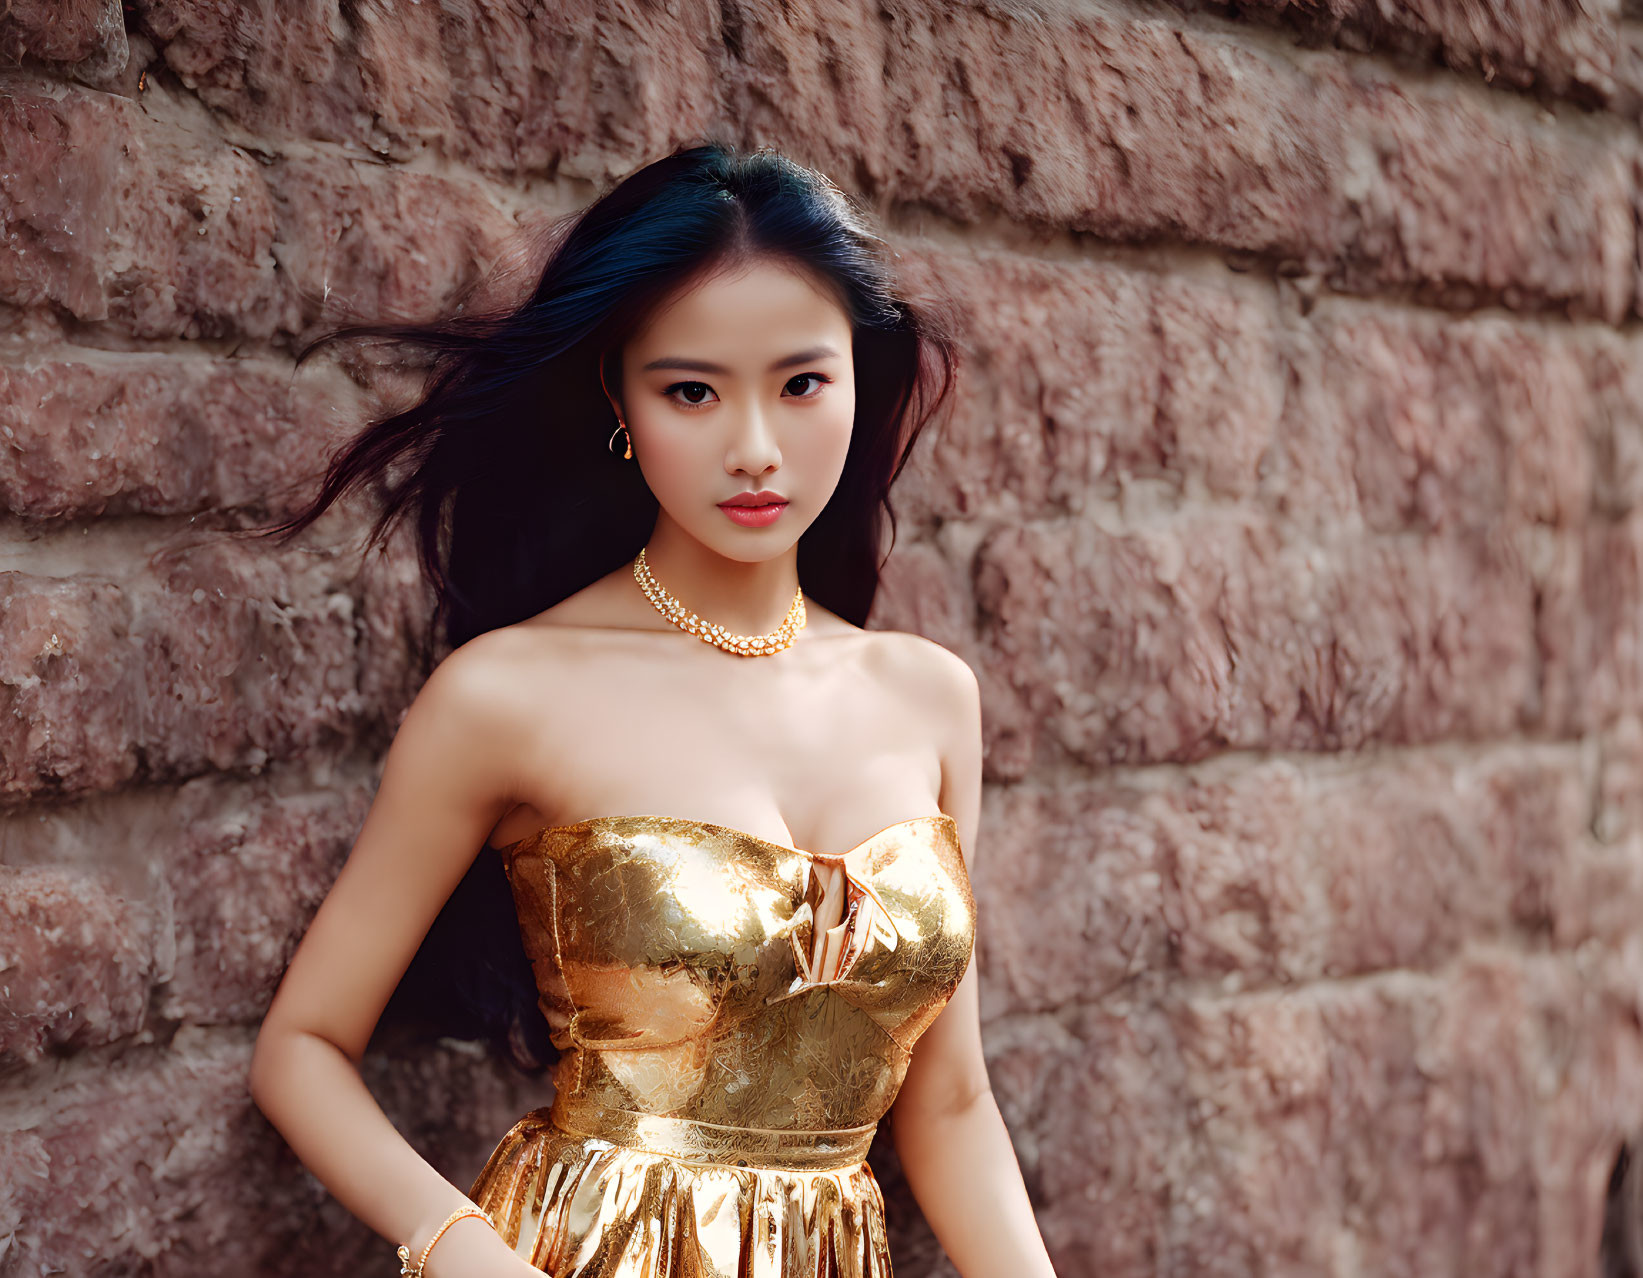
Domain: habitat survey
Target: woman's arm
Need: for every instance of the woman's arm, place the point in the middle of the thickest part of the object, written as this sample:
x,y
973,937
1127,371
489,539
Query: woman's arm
x,y
954,1148
446,781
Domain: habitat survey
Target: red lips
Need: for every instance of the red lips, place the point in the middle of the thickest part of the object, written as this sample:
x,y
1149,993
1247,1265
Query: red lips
x,y
764,497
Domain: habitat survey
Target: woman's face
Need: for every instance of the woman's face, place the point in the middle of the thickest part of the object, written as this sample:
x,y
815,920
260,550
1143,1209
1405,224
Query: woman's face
x,y
742,383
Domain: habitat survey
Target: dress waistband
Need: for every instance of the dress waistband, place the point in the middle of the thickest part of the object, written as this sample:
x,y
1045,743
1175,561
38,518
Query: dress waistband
x,y
695,1141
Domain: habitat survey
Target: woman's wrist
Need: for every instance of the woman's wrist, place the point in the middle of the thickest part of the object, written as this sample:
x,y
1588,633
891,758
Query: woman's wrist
x,y
434,1233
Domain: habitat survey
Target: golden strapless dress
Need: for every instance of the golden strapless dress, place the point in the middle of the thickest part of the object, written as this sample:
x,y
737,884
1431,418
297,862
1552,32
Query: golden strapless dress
x,y
735,1017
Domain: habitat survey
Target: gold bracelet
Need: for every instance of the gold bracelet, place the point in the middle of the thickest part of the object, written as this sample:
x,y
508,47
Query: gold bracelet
x,y
405,1268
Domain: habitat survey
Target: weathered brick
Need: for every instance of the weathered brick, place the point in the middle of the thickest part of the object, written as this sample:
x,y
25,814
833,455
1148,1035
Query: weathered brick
x,y
1617,817
1091,384
368,242
76,962
222,655
1091,1100
87,37
1408,422
243,889
89,1147
128,915
1133,128
509,88
1572,50
1459,1123
107,216
88,434
1096,389
116,218
1361,639
1139,128
1279,874
1589,626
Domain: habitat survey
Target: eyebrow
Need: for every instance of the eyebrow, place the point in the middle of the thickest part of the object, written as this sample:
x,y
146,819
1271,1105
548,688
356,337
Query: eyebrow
x,y
703,366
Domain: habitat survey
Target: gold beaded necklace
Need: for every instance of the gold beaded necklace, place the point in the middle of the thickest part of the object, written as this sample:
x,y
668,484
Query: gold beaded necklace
x,y
742,645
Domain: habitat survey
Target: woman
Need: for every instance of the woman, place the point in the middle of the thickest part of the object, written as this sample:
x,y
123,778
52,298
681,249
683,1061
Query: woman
x,y
732,821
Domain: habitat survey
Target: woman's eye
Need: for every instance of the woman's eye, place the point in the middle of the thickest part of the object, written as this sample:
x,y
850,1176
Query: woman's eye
x,y
810,377
691,390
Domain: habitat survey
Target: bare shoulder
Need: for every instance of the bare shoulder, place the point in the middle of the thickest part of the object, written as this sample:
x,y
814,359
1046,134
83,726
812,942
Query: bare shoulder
x,y
475,688
939,682
927,663
939,688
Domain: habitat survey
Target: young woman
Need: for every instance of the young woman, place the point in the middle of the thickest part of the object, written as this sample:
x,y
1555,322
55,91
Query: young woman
x,y
727,821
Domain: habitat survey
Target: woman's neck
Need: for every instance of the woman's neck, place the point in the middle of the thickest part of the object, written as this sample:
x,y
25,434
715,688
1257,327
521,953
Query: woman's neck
x,y
742,597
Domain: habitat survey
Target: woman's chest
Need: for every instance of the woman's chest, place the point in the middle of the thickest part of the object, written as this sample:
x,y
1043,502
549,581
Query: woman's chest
x,y
815,758
655,928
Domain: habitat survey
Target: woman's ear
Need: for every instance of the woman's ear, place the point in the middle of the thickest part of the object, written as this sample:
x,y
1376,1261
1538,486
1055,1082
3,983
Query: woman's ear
x,y
621,417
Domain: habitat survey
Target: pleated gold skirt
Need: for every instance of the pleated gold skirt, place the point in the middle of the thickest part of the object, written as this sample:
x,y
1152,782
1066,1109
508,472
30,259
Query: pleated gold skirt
x,y
583,1192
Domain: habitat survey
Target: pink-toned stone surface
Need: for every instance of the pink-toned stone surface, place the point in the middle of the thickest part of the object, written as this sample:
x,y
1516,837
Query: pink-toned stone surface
x,y
85,37
112,1147
505,87
78,960
196,904
1087,118
212,655
120,220
1585,51
89,433
1288,513
1277,875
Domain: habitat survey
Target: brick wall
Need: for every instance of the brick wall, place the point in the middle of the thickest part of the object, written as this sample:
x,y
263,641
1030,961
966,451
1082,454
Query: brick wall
x,y
1292,514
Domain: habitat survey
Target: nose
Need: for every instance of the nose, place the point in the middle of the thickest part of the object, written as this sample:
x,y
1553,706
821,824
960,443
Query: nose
x,y
752,448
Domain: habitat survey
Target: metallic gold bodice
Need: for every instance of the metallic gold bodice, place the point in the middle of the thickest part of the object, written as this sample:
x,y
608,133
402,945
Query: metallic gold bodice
x,y
679,968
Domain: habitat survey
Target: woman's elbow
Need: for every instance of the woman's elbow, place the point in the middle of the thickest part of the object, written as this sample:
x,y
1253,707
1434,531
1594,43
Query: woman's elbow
x,y
271,1064
938,1104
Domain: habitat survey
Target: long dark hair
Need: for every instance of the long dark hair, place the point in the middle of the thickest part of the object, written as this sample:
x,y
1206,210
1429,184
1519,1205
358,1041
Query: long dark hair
x,y
518,502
